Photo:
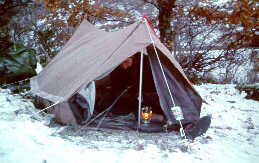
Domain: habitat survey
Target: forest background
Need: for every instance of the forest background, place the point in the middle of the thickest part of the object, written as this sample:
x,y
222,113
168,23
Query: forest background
x,y
214,41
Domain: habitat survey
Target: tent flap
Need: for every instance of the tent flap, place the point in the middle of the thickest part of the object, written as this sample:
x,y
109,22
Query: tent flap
x,y
183,94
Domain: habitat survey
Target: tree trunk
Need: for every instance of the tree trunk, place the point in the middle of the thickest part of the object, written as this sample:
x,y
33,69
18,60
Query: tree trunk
x,y
255,61
165,8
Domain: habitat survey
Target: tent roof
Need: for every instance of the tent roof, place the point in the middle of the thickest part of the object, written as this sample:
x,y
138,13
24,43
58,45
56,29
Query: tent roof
x,y
90,53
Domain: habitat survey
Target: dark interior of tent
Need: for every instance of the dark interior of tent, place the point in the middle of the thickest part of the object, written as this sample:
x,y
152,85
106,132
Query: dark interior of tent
x,y
125,83
117,94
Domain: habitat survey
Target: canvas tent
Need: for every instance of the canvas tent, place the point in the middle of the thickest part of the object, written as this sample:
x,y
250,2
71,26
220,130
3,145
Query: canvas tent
x,y
91,54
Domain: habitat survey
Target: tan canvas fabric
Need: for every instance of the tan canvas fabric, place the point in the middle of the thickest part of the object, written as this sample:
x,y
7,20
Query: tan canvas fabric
x,y
63,114
62,111
89,54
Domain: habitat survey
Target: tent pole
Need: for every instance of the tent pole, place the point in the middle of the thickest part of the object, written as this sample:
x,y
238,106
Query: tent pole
x,y
140,89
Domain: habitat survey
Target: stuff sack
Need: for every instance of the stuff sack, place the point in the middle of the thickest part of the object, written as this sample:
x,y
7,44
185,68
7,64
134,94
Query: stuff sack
x,y
17,63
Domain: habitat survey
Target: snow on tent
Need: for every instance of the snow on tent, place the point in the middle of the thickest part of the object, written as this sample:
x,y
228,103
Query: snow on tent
x,y
91,54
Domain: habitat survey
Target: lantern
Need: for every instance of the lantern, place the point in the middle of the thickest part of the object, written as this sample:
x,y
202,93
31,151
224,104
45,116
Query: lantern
x,y
146,114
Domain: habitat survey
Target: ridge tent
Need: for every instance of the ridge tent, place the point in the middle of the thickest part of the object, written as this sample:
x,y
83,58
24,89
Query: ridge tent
x,y
91,54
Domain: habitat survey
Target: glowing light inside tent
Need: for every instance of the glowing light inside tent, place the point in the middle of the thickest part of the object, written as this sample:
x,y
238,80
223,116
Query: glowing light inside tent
x,y
146,114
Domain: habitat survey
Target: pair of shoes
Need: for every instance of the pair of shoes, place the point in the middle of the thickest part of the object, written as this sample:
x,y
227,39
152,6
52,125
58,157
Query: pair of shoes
x,y
194,130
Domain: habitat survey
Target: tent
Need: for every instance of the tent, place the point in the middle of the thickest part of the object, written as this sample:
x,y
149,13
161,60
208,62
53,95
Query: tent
x,y
92,54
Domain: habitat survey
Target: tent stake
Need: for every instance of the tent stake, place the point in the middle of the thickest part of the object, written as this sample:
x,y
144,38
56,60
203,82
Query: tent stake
x,y
140,89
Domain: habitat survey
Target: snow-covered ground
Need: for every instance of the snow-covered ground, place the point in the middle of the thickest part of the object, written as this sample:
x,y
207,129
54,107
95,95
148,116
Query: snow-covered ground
x,y
233,135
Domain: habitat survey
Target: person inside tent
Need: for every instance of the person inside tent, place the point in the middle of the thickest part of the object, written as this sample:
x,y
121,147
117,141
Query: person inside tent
x,y
126,76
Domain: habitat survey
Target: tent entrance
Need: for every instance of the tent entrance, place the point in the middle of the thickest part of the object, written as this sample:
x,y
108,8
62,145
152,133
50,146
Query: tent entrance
x,y
110,87
154,82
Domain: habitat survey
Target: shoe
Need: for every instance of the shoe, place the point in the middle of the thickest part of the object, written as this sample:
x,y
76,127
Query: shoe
x,y
199,128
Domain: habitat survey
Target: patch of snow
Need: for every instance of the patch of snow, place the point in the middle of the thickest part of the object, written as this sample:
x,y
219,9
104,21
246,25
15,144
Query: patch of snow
x,y
240,28
218,3
121,7
232,137
38,68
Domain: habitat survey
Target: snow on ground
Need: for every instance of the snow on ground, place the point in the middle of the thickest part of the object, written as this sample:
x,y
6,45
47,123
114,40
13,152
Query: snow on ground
x,y
233,137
